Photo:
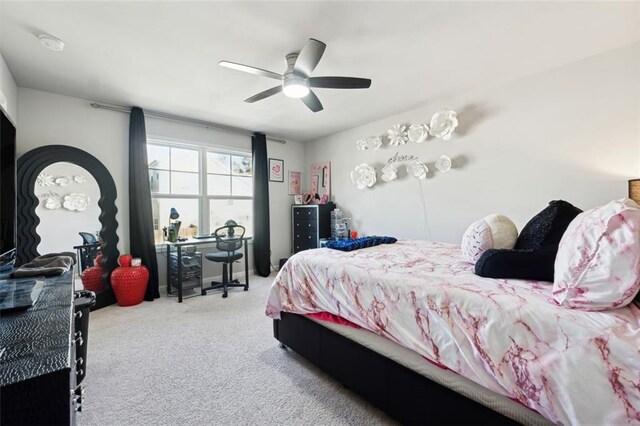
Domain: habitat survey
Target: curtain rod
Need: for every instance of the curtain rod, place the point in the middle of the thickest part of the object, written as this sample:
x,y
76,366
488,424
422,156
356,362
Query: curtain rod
x,y
181,119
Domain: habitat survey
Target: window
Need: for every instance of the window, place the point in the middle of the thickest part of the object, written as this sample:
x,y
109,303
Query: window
x,y
207,188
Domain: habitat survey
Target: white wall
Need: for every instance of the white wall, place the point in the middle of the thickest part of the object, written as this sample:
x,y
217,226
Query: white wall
x,y
570,133
50,119
8,91
279,199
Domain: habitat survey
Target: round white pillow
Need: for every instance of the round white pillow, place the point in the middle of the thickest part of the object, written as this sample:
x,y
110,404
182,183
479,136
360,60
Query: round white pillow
x,y
494,231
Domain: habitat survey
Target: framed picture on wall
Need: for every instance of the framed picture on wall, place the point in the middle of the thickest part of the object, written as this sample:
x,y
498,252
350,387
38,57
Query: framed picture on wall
x,y
276,170
295,183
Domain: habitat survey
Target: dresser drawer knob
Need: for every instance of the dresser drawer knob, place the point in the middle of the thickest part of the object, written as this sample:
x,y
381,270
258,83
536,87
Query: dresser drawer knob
x,y
78,338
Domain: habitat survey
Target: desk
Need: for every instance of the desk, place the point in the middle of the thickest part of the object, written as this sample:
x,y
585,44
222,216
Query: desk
x,y
194,242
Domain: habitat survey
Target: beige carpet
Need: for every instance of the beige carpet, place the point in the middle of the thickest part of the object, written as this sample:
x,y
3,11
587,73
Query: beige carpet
x,y
207,361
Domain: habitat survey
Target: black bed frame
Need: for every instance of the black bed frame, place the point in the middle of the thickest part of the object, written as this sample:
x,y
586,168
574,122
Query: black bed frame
x,y
400,392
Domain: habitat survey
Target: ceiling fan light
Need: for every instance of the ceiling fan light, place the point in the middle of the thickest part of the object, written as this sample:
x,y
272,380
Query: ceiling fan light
x,y
295,90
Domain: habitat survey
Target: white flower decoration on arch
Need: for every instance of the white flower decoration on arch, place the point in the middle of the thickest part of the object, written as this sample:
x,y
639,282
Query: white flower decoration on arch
x,y
76,202
418,170
444,163
44,179
397,135
62,181
52,203
418,133
364,176
389,173
443,124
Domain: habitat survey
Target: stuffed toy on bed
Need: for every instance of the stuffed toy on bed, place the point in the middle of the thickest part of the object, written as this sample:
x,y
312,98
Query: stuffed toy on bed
x,y
534,253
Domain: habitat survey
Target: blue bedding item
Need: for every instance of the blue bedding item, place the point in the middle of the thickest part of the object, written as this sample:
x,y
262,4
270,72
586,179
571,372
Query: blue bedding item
x,y
359,243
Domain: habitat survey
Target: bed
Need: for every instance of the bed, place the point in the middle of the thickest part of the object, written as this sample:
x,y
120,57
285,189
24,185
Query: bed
x,y
415,309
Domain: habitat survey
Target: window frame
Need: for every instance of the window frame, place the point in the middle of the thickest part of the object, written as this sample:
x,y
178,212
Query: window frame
x,y
203,197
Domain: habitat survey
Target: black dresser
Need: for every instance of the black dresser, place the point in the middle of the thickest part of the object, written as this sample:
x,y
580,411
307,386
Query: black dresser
x,y
39,371
310,223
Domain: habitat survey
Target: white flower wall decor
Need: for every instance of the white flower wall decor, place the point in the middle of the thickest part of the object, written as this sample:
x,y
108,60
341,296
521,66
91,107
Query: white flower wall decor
x,y
397,135
372,143
443,124
364,176
418,133
62,181
418,170
79,179
52,203
76,202
44,179
389,173
443,163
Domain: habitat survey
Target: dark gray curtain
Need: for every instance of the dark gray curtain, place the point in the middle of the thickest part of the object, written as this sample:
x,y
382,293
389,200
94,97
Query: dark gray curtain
x,y
141,238
261,231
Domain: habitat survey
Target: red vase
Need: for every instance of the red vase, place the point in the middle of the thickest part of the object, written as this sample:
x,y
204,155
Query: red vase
x,y
129,284
92,279
125,260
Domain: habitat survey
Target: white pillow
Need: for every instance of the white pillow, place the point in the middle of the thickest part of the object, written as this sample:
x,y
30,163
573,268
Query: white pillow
x,y
494,231
598,262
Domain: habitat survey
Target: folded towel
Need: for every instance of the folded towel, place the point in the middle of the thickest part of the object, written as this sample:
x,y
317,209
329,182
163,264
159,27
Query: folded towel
x,y
47,265
359,243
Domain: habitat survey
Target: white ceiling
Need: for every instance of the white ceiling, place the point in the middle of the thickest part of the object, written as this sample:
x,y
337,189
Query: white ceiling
x,y
163,56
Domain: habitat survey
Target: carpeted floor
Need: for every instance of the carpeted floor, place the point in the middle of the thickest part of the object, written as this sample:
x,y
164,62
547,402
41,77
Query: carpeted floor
x,y
207,361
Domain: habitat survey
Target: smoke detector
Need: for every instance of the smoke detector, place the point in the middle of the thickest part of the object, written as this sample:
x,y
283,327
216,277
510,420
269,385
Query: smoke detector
x,y
52,43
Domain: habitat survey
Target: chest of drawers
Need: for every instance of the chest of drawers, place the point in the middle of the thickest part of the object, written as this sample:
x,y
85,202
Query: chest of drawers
x,y
309,224
43,352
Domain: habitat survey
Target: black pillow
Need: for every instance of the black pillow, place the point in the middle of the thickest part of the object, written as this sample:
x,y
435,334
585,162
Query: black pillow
x,y
547,227
520,264
535,252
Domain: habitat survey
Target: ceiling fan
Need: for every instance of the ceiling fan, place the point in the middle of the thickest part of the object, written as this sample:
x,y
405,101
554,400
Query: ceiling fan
x,y
296,82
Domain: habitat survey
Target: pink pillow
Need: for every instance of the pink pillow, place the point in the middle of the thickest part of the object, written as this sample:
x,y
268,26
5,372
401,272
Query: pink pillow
x,y
598,262
494,231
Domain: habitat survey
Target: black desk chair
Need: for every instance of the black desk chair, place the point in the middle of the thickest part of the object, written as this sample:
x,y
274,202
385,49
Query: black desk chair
x,y
229,241
89,254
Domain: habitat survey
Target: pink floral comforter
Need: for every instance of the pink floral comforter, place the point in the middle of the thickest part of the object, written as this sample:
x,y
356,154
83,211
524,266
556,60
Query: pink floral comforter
x,y
573,367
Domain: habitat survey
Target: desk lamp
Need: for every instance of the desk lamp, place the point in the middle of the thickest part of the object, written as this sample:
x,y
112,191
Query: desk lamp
x,y
174,225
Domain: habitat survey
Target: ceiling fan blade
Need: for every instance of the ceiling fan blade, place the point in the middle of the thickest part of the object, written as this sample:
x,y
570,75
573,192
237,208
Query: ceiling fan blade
x,y
312,101
250,70
340,82
262,95
309,57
